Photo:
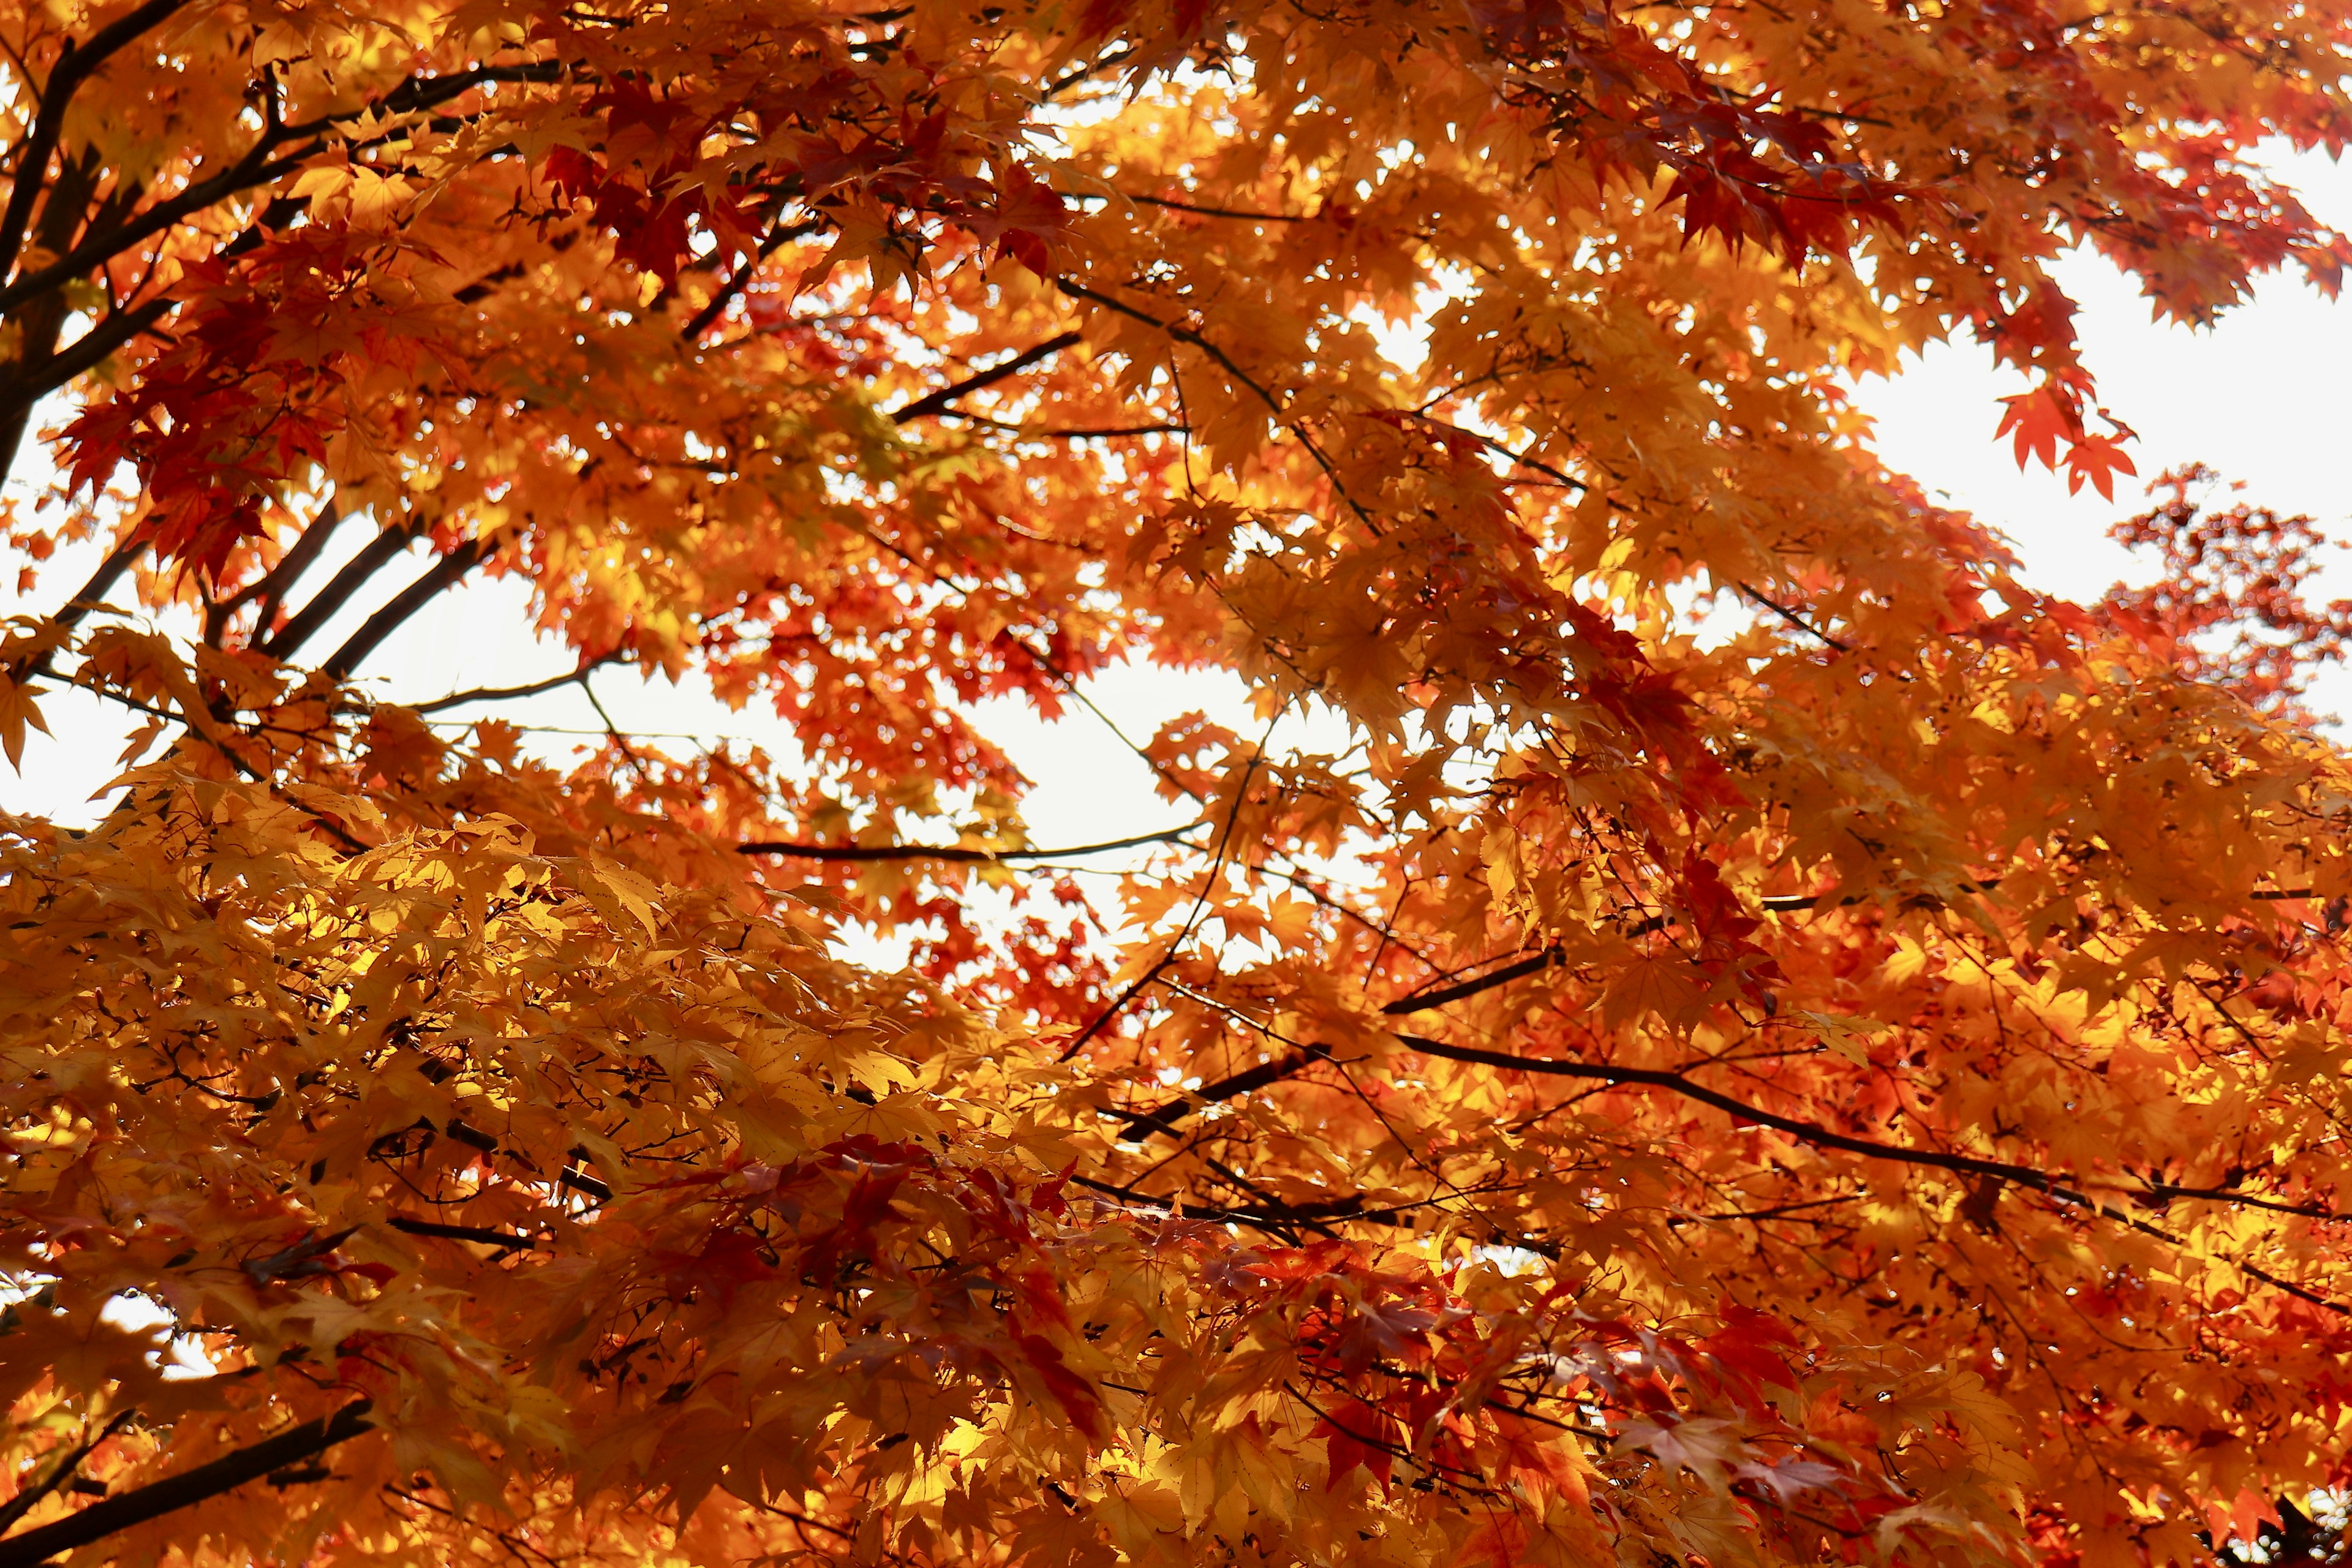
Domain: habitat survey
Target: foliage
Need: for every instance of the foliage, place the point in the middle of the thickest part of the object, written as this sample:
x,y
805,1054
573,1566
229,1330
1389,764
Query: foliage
x,y
1854,1077
2239,571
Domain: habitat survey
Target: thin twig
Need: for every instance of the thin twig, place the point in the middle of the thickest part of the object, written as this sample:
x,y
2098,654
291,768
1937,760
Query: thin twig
x,y
873,852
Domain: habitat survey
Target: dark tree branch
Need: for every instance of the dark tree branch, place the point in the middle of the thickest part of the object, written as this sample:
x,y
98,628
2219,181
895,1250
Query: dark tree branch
x,y
257,167
1242,213
273,588
1078,73
1142,1125
1272,1217
372,558
1823,1137
423,92
183,1491
1791,616
742,277
1162,1120
73,69
87,352
93,592
461,1233
938,402
1164,1117
1231,367
1423,1001
443,575
870,852
39,321
532,689
98,248
1059,433
25,1501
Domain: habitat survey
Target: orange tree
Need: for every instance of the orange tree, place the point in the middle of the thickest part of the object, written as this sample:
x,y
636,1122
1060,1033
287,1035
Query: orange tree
x,y
1853,1077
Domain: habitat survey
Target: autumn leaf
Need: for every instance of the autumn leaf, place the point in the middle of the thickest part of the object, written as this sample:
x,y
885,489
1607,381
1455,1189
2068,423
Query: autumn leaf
x,y
1555,1072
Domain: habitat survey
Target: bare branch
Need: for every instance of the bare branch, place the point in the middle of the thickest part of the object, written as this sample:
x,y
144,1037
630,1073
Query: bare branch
x,y
1142,1125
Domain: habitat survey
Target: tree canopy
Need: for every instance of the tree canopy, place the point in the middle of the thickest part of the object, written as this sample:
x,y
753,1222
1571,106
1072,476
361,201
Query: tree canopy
x,y
1767,1041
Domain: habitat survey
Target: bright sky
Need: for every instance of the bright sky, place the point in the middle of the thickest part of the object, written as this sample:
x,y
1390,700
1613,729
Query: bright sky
x,y
2261,397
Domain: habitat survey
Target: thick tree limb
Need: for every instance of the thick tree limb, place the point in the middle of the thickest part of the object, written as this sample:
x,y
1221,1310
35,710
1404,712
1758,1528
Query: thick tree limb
x,y
183,1491
258,167
96,249
270,587
40,322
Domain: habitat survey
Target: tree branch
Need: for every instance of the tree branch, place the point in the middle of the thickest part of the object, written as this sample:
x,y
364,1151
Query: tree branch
x,y
73,68
84,599
377,554
1423,1001
1142,1125
258,168
87,352
938,402
871,852
25,1501
1231,367
442,575
273,587
461,1233
741,276
1791,616
1242,213
1823,1137
191,1486
532,689
242,175
1163,1118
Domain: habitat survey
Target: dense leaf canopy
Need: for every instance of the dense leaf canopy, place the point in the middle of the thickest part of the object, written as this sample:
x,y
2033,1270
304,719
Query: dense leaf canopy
x,y
1764,1040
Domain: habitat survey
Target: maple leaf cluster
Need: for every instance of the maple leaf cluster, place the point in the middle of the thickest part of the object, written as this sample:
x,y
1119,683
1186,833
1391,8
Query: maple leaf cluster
x,y
1859,1079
